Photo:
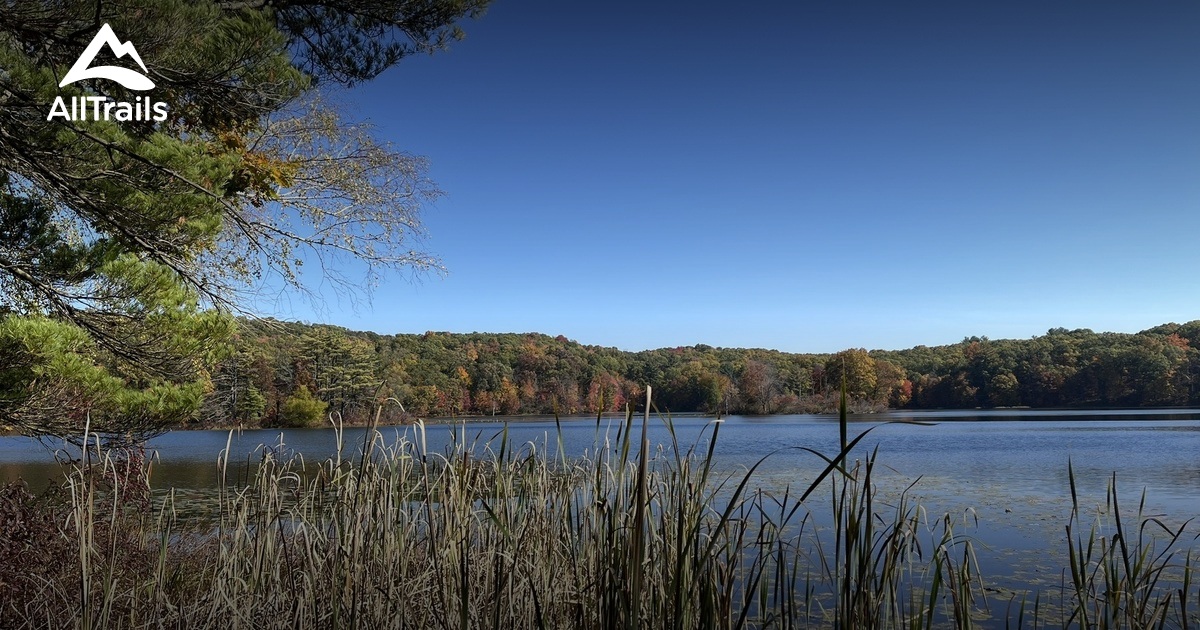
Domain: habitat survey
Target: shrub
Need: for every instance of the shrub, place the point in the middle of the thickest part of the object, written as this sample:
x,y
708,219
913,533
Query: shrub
x,y
302,409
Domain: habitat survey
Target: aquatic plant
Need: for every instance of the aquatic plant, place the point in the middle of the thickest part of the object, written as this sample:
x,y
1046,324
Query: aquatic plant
x,y
489,533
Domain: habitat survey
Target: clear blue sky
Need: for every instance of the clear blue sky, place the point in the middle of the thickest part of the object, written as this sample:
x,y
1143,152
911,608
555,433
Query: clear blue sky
x,y
800,176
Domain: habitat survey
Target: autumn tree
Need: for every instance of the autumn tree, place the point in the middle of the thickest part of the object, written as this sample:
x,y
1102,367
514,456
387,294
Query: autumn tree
x,y
892,387
759,385
606,392
857,368
510,373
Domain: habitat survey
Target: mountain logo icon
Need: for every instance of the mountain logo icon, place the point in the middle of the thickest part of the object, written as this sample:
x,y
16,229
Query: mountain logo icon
x,y
131,79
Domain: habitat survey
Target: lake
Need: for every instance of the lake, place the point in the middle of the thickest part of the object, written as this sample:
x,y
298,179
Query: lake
x,y
1001,473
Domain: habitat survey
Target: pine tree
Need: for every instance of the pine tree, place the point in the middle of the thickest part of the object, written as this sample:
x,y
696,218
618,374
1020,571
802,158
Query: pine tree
x,y
124,244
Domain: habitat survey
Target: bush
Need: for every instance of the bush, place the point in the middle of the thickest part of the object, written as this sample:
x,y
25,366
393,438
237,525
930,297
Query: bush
x,y
302,409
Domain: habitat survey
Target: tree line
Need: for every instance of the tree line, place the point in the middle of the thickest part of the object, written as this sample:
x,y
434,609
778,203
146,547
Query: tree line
x,y
282,373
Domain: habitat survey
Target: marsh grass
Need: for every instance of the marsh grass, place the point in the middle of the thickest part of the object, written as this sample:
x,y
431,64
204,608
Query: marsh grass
x,y
496,534
1128,575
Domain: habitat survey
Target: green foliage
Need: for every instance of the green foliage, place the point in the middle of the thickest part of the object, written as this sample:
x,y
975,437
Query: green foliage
x,y
443,374
1004,390
123,242
1157,367
302,410
53,376
252,405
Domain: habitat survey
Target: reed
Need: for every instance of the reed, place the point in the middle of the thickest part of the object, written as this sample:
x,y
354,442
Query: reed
x,y
495,534
1127,575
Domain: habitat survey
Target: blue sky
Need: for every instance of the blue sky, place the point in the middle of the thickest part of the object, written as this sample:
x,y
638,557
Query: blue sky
x,y
800,176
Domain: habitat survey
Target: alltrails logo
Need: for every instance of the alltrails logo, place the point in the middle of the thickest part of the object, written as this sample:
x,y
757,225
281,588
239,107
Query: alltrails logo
x,y
101,107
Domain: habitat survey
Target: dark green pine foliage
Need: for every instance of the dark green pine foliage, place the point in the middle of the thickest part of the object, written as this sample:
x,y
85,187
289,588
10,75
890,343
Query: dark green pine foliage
x,y
124,244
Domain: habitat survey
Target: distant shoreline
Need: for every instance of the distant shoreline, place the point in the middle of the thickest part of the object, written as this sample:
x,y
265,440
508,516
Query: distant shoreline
x,y
1062,412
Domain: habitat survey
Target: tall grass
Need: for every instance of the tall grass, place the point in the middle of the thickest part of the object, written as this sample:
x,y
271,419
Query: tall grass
x,y
499,534
1127,575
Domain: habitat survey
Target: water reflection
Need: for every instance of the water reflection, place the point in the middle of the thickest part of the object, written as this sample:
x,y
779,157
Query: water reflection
x,y
1023,453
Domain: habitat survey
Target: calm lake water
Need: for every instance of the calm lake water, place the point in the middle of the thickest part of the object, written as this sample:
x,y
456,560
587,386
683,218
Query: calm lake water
x,y
1008,468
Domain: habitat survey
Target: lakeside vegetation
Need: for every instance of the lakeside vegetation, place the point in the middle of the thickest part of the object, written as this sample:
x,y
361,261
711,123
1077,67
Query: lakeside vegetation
x,y
508,535
288,374
125,247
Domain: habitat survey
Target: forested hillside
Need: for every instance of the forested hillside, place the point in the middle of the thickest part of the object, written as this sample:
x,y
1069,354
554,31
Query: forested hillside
x,y
294,374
